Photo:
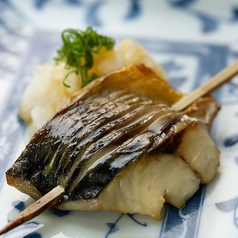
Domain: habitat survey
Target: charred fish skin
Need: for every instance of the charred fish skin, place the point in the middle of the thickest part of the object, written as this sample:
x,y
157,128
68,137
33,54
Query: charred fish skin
x,y
91,143
105,132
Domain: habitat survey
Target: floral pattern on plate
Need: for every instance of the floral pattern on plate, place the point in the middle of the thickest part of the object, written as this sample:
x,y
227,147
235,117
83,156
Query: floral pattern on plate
x,y
187,64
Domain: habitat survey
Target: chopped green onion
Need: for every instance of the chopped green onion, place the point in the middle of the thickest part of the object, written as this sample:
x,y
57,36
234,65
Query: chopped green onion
x,y
78,49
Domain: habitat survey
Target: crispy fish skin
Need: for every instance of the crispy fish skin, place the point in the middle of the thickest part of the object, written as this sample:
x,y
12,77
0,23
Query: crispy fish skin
x,y
90,145
106,132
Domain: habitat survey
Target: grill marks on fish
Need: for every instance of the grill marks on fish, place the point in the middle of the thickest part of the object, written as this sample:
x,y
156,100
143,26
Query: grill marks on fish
x,y
93,130
86,144
101,150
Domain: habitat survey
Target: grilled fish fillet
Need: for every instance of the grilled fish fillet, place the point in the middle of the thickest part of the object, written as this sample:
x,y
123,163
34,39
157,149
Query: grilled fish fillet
x,y
118,146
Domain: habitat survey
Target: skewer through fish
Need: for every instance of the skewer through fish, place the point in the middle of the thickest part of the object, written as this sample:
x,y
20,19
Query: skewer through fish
x,y
119,129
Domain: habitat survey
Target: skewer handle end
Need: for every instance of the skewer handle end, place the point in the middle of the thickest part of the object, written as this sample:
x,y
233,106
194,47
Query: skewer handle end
x,y
38,207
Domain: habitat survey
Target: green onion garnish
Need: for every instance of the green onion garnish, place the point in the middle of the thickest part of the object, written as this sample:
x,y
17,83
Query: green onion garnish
x,y
77,50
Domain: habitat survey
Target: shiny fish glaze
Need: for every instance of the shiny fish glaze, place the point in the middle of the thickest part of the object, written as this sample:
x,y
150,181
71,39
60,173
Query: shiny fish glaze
x,y
93,140
93,145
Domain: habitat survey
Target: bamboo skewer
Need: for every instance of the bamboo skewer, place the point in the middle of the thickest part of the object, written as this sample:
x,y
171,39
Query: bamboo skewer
x,y
51,198
35,209
211,85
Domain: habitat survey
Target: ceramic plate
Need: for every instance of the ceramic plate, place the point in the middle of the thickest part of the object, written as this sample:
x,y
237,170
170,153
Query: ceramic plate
x,y
211,212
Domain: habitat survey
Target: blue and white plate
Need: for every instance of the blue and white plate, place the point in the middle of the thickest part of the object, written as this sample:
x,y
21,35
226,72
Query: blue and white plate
x,y
191,39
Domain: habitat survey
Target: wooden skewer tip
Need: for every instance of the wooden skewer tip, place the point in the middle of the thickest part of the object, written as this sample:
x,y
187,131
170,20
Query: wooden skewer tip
x,y
35,209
